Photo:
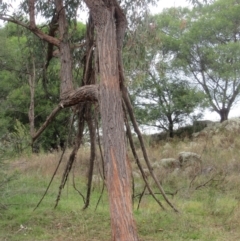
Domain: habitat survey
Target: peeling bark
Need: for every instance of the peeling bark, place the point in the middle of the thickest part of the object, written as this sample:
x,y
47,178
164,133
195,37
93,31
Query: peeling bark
x,y
116,167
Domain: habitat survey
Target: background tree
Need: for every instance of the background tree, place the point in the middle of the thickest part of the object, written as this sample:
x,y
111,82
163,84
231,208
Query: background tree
x,y
164,98
167,104
210,53
24,60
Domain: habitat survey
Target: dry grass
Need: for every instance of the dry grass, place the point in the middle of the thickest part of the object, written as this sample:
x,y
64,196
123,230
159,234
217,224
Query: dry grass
x,y
209,202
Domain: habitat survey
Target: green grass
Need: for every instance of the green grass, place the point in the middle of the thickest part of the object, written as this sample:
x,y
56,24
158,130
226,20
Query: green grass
x,y
210,213
67,221
206,215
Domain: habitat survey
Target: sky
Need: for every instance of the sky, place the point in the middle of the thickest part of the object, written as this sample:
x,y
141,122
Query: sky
x,y
155,9
167,4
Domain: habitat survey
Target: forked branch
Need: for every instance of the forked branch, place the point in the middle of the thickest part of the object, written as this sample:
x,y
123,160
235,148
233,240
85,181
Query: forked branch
x,y
82,94
129,135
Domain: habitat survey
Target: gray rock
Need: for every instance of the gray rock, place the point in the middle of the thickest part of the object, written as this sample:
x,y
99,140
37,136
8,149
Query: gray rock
x,y
189,159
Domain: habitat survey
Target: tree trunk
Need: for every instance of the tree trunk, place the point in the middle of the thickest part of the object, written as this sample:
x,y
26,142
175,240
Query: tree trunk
x,y
170,127
116,166
31,112
223,114
118,178
65,52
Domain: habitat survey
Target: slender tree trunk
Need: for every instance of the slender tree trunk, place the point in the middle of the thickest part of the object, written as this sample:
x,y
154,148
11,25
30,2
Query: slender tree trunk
x,y
223,114
31,82
65,53
170,127
116,167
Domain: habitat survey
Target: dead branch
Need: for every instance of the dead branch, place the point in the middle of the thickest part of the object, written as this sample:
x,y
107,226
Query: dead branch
x,y
102,161
73,154
141,195
35,30
137,131
209,181
191,182
92,132
121,27
45,193
59,162
158,193
74,185
82,94
129,135
85,93
46,123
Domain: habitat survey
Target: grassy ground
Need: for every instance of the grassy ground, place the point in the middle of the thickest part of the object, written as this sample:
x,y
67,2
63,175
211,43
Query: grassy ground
x,y
209,204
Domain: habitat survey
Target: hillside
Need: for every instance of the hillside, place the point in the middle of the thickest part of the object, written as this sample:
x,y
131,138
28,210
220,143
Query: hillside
x,y
207,197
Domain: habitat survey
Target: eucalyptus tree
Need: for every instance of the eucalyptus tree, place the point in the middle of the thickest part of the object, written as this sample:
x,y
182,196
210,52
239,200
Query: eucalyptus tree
x,y
210,51
167,103
164,98
102,84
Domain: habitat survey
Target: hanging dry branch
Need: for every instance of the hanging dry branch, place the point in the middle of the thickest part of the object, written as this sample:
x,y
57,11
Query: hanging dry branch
x,y
92,132
56,169
144,151
129,135
73,154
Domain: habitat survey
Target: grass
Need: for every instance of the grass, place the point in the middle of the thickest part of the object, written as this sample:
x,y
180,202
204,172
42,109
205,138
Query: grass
x,y
210,212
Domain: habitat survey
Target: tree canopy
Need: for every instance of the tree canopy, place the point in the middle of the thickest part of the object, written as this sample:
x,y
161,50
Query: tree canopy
x,y
209,53
163,96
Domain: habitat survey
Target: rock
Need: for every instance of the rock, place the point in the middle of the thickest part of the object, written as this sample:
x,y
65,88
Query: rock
x,y
189,159
231,125
201,124
167,163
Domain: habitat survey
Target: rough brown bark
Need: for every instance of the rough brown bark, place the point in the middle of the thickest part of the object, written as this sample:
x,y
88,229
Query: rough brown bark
x,y
116,167
118,179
